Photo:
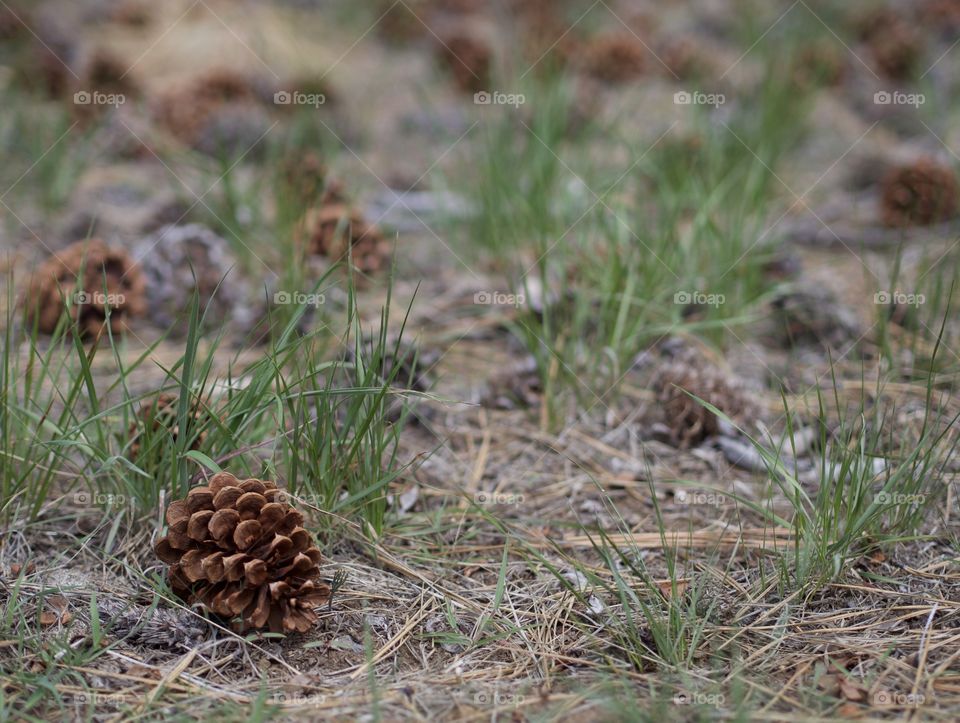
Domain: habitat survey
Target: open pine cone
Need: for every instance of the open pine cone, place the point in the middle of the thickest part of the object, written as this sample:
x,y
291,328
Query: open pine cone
x,y
919,194
334,229
688,420
238,548
91,277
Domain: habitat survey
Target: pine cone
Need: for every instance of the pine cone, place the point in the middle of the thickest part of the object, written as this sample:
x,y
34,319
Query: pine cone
x,y
240,550
468,59
919,194
333,229
689,421
162,413
190,110
90,276
895,45
615,57
102,72
180,260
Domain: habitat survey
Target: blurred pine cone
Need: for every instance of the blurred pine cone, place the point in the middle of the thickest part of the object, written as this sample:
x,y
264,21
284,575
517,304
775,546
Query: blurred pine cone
x,y
238,548
177,262
919,194
615,57
334,229
90,277
688,420
191,110
105,73
894,43
469,60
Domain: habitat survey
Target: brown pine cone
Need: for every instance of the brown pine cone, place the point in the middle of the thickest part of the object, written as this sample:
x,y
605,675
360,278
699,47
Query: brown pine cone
x,y
103,73
688,420
334,229
919,194
615,57
90,276
894,43
107,73
162,412
188,110
469,60
238,548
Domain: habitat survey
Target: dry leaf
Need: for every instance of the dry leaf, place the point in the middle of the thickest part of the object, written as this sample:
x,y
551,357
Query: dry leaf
x,y
666,587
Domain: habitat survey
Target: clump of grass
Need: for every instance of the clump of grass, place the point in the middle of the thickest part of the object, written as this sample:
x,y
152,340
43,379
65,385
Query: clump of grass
x,y
876,487
623,254
302,413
